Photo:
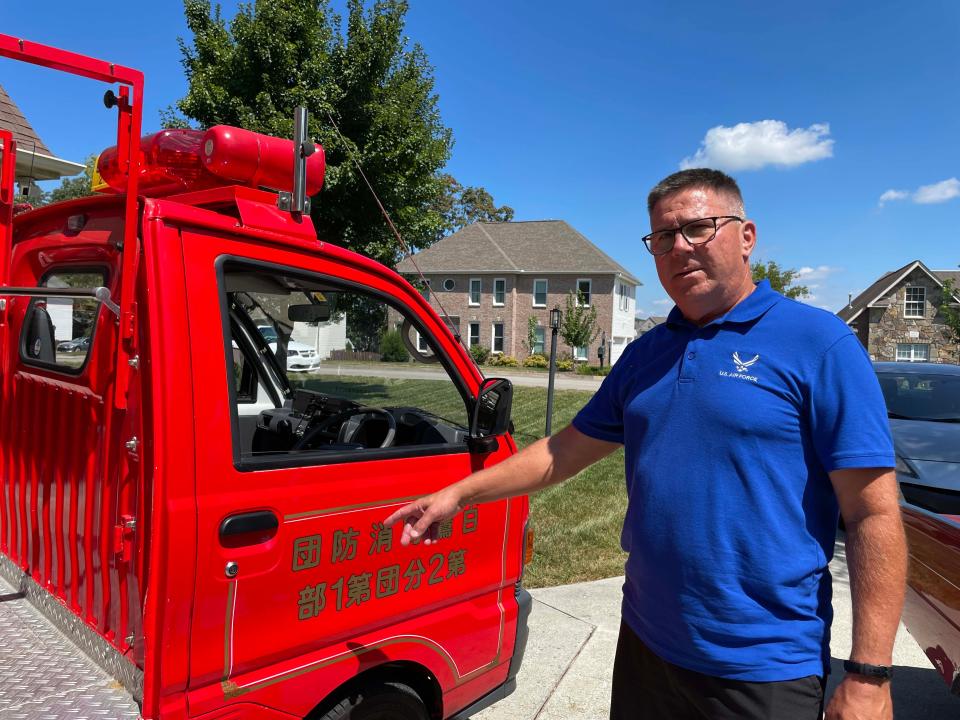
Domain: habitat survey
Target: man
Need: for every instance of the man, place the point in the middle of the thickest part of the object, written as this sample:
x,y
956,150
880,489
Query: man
x,y
746,420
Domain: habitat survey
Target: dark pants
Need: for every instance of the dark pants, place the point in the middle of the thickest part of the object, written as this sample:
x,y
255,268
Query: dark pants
x,y
648,688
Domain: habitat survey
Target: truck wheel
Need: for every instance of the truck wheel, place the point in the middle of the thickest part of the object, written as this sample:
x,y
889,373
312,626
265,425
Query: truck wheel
x,y
380,701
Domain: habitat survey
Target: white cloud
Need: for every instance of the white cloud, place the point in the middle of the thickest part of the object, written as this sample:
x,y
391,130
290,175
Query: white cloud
x,y
751,146
926,194
891,195
819,272
663,301
938,192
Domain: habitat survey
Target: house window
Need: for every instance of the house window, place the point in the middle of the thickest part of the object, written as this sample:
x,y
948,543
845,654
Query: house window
x,y
497,338
425,291
474,334
913,352
541,340
499,291
623,299
449,284
540,293
422,344
475,287
914,301
584,287
580,353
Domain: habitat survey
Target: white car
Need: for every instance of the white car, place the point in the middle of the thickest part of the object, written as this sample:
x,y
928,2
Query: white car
x,y
300,357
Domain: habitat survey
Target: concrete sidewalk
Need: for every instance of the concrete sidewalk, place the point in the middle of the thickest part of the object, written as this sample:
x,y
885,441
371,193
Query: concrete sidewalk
x,y
573,635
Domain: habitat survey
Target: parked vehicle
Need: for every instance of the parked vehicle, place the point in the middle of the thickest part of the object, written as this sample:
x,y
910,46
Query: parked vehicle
x,y
923,403
80,344
300,356
205,529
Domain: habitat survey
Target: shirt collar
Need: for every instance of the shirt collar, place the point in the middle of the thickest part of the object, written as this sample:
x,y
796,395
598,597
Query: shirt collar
x,y
750,308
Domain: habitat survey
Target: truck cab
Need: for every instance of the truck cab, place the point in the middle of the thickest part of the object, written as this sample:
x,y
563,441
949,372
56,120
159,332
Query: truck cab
x,y
198,514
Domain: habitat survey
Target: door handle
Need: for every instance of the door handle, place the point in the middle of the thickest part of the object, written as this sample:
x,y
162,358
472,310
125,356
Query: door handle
x,y
248,528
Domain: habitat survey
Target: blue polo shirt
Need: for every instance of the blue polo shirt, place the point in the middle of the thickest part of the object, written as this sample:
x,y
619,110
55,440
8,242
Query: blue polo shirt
x,y
729,432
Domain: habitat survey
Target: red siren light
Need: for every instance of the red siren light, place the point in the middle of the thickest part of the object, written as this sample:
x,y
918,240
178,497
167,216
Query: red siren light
x,y
183,160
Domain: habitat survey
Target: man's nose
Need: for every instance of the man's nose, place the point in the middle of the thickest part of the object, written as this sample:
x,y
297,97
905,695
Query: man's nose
x,y
681,246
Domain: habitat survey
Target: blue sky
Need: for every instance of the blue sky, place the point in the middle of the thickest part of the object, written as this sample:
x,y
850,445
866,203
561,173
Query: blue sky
x,y
574,110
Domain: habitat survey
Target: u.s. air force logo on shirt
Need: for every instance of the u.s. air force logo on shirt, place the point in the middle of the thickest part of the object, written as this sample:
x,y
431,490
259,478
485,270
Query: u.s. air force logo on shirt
x,y
742,368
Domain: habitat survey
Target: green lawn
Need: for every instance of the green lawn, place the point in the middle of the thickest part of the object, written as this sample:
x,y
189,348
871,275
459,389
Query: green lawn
x,y
577,524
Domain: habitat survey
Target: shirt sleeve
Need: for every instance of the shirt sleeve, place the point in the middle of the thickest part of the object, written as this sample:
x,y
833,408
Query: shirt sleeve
x,y
602,417
848,415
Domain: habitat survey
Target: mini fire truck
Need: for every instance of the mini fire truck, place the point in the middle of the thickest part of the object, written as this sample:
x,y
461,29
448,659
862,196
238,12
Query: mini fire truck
x,y
190,530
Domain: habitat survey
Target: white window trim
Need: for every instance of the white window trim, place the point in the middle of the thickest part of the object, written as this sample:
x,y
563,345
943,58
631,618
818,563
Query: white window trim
x,y
470,327
493,338
453,285
495,281
922,301
423,340
543,351
586,353
546,291
912,356
577,291
470,301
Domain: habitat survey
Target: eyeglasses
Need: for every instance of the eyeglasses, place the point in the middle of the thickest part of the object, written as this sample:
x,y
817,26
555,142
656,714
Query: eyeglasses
x,y
696,232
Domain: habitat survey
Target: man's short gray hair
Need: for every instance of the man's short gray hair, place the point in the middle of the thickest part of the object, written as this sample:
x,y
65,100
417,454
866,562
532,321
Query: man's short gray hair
x,y
704,178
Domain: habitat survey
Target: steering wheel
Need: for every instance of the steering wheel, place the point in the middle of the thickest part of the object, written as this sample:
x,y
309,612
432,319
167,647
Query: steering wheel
x,y
350,421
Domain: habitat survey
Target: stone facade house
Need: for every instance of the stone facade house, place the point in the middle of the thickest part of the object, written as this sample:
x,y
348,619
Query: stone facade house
x,y
491,278
899,316
645,325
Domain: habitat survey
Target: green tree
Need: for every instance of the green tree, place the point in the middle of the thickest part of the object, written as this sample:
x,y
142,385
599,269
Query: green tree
x,y
578,328
462,206
76,186
379,89
781,279
950,312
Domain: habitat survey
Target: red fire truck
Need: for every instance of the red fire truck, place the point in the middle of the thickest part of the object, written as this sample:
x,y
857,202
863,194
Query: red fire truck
x,y
203,523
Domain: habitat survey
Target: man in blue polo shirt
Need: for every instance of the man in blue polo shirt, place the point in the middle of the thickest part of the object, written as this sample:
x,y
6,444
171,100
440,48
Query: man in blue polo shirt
x,y
747,421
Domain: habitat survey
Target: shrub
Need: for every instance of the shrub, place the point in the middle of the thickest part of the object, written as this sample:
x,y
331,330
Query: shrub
x,y
535,361
392,348
479,354
564,364
503,361
584,369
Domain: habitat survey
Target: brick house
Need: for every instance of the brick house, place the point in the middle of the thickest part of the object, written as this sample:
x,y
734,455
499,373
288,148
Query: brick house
x,y
492,277
899,318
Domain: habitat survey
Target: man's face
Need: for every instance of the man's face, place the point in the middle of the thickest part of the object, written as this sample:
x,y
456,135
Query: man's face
x,y
704,280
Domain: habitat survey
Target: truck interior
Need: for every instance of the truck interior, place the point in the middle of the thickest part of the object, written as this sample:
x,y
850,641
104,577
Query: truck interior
x,y
278,412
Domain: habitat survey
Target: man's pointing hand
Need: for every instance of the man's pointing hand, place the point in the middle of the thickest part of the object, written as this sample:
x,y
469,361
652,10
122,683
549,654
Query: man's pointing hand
x,y
422,517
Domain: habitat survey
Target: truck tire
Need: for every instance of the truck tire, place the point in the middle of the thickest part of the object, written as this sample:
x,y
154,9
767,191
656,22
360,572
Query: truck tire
x,y
379,701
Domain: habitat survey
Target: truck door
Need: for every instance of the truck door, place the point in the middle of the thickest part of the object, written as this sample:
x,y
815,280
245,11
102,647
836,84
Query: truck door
x,y
299,584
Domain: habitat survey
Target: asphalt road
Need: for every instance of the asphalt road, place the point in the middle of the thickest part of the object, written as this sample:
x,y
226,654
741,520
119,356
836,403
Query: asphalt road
x,y
564,381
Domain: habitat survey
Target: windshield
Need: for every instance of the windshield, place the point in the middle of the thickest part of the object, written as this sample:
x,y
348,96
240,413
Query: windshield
x,y
921,396
268,333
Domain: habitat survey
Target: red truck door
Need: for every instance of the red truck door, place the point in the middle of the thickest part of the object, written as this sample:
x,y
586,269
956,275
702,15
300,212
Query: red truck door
x,y
299,586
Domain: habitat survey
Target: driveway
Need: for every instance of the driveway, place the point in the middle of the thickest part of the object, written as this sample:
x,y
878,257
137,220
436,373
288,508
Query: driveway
x,y
573,635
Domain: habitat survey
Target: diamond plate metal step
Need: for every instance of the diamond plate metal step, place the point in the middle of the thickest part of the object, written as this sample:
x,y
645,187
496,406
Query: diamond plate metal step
x,y
44,676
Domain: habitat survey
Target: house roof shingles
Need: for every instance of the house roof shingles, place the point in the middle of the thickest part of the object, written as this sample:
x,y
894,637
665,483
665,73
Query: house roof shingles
x,y
535,246
12,119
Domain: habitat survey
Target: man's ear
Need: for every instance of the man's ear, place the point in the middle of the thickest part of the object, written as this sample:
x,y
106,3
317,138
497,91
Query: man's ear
x,y
748,237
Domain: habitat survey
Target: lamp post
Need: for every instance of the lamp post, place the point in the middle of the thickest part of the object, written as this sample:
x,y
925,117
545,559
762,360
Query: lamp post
x,y
555,317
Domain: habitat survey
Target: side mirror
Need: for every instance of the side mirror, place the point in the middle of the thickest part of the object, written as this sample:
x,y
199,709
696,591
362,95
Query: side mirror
x,y
309,313
491,414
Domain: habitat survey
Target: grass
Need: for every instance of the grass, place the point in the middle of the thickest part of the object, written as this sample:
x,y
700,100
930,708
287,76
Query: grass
x,y
576,525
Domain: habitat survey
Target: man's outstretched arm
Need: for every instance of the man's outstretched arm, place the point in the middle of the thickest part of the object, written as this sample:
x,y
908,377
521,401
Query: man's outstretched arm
x,y
546,462
877,561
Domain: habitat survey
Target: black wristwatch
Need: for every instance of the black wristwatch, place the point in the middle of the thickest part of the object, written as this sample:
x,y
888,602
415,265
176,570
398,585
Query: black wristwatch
x,y
877,672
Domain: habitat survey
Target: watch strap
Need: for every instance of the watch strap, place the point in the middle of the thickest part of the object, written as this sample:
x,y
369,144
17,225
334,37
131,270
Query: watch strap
x,y
878,672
